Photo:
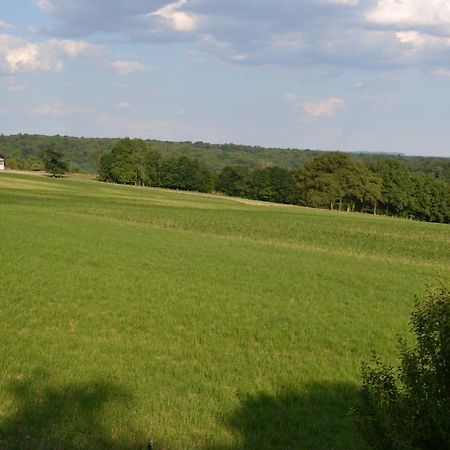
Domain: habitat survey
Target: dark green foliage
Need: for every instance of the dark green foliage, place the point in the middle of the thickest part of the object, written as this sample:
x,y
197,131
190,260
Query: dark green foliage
x,y
332,180
34,163
396,186
430,199
123,168
130,162
105,168
274,184
86,152
408,407
54,163
186,174
15,164
152,167
234,181
338,181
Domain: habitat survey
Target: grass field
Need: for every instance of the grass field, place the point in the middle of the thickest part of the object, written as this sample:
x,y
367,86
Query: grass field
x,y
195,321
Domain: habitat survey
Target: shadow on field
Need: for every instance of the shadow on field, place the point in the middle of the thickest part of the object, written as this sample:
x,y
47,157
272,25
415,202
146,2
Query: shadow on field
x,y
67,417
317,418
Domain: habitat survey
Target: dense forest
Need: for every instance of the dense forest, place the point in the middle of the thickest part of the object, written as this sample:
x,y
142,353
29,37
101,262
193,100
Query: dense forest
x,y
332,180
24,151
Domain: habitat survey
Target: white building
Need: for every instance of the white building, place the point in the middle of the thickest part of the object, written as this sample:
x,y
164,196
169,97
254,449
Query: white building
x,y
2,163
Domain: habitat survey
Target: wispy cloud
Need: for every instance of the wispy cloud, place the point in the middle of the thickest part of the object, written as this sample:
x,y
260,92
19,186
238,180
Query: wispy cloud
x,y
6,26
178,20
124,67
56,110
324,108
442,73
124,105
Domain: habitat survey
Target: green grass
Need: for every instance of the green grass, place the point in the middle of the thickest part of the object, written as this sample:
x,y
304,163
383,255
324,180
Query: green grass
x,y
195,321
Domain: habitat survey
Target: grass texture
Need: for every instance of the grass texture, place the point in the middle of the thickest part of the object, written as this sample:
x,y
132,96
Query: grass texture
x,y
194,321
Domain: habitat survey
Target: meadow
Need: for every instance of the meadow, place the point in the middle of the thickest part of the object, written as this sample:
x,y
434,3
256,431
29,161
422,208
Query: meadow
x,y
195,321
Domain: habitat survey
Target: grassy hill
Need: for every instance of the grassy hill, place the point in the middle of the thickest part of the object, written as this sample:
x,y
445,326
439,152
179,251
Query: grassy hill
x,y
195,321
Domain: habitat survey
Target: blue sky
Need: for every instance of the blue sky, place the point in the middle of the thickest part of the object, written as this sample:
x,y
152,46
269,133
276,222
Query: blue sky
x,y
358,75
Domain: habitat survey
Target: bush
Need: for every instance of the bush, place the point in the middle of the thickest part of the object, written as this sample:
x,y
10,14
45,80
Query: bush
x,y
408,407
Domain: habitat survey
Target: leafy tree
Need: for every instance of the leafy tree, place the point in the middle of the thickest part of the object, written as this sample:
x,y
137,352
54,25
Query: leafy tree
x,y
54,163
186,173
152,167
396,186
123,170
130,162
234,181
261,186
34,163
337,180
430,199
105,168
407,407
15,163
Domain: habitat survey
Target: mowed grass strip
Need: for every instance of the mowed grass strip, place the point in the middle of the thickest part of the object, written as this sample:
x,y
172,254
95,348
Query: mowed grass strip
x,y
199,322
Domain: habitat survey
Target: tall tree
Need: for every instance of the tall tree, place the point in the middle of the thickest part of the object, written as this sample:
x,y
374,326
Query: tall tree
x,y
337,181
396,186
54,163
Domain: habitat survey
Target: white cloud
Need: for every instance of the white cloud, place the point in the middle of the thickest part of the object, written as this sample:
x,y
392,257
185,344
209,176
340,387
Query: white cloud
x,y
442,73
123,105
123,67
179,20
55,110
288,41
6,26
325,108
344,2
322,108
17,55
419,40
410,12
296,33
45,5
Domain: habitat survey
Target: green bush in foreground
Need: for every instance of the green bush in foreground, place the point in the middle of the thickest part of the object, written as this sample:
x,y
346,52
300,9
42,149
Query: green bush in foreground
x,y
408,407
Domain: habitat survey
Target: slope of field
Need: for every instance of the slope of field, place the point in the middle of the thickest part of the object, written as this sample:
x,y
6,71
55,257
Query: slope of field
x,y
195,321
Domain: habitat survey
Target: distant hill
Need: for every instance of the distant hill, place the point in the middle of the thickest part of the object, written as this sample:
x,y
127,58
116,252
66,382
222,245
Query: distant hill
x,y
83,154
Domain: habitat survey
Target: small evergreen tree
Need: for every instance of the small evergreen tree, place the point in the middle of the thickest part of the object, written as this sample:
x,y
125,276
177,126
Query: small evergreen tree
x,y
54,163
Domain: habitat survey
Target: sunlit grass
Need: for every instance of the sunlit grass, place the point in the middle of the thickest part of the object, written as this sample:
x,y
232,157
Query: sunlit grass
x,y
194,320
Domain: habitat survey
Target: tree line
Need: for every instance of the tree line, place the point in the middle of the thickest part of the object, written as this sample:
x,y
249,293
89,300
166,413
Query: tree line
x,y
82,154
332,180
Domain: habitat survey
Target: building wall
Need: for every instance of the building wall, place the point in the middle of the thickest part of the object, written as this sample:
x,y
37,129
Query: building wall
x,y
2,164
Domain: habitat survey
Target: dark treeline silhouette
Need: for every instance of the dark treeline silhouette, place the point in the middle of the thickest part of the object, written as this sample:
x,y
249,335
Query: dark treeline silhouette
x,y
332,180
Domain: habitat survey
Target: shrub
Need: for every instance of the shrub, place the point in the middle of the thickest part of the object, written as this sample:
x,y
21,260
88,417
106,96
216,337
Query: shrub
x,y
408,407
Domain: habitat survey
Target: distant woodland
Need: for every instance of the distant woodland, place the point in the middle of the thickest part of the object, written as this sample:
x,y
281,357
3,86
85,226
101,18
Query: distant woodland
x,y
396,185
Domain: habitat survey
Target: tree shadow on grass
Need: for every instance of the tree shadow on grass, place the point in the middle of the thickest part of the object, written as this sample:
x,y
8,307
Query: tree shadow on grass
x,y
316,418
66,417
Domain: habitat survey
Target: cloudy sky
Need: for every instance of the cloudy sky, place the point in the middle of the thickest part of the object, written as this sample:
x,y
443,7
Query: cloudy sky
x,y
359,75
